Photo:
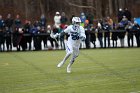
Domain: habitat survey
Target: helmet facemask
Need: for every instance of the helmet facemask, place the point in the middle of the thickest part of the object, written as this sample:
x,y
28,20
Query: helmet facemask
x,y
76,22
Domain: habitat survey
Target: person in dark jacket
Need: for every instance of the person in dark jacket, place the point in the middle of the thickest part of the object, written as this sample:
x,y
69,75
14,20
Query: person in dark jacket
x,y
36,39
17,33
63,25
87,33
99,31
120,15
2,34
136,29
27,30
90,17
129,34
8,28
106,28
121,34
128,14
114,36
93,36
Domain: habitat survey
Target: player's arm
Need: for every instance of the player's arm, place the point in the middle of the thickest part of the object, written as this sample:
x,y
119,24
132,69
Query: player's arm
x,y
82,34
67,30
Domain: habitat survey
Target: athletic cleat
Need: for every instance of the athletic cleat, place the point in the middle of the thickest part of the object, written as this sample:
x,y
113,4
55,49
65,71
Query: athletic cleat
x,y
68,69
60,64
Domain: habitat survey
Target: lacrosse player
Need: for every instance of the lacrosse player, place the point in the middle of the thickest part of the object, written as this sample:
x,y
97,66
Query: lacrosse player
x,y
76,35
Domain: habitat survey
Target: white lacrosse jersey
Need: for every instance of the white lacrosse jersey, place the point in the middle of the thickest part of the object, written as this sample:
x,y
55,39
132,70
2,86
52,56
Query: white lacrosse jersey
x,y
74,34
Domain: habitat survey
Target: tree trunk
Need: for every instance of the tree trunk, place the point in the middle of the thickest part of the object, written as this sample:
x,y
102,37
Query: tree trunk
x,y
110,7
98,9
41,7
26,9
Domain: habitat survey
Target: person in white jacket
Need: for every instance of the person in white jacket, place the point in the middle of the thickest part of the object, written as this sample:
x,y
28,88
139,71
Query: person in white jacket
x,y
57,18
76,35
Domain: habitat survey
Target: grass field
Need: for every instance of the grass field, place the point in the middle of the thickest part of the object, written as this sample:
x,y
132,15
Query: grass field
x,y
94,71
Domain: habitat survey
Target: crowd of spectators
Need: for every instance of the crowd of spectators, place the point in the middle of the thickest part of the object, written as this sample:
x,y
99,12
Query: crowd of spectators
x,y
32,35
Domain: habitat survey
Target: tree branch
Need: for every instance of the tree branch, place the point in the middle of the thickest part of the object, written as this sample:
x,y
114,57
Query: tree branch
x,y
79,6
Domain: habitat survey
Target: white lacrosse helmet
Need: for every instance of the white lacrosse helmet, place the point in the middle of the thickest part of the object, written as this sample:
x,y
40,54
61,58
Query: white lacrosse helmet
x,y
76,21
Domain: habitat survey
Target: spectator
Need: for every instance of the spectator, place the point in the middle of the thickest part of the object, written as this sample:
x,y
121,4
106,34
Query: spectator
x,y
129,34
2,24
110,22
54,37
136,29
36,39
63,20
43,37
93,36
57,21
121,34
49,31
87,33
27,30
62,27
37,23
106,28
43,21
124,21
100,33
90,17
43,30
51,37
83,19
128,14
18,33
120,15
17,22
8,28
114,36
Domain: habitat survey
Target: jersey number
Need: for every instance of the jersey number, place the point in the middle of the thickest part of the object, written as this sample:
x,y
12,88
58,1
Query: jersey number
x,y
75,36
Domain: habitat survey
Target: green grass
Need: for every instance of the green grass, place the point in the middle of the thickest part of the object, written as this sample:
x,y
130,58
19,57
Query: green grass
x,y
94,71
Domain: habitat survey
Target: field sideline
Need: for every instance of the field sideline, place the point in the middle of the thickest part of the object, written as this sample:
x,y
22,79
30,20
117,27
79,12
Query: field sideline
x,y
94,71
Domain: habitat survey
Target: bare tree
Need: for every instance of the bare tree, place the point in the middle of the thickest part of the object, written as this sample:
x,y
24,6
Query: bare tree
x,y
98,9
110,7
31,9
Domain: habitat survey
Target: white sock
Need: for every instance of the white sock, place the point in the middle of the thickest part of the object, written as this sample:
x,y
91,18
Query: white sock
x,y
73,59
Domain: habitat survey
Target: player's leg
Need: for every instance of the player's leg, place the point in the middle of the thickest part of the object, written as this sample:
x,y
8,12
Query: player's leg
x,y
75,54
69,51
